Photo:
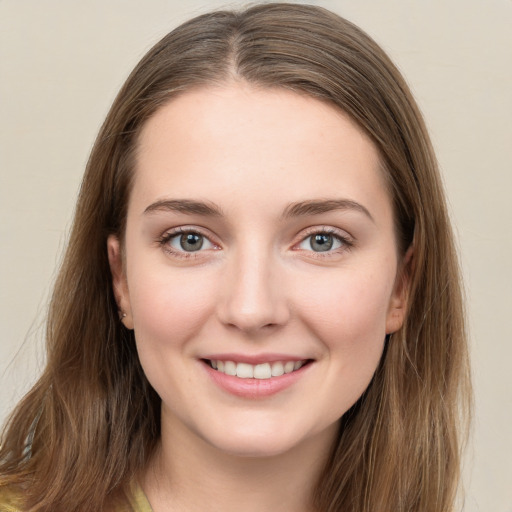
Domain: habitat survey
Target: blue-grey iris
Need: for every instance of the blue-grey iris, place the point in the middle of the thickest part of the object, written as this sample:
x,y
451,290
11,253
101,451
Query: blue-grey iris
x,y
322,242
191,242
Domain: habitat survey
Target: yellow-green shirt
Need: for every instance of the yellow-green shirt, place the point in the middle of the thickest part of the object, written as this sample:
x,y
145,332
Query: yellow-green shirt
x,y
9,502
138,501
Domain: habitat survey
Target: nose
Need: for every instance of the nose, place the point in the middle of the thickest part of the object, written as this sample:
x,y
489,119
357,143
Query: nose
x,y
253,299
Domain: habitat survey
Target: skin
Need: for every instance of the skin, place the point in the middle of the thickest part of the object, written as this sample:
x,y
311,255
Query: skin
x,y
256,287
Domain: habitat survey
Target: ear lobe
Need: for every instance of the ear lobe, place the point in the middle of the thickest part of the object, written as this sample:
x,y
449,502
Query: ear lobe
x,y
400,297
119,284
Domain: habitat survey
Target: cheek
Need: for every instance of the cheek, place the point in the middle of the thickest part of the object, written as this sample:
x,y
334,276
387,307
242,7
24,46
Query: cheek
x,y
350,323
169,307
348,316
349,310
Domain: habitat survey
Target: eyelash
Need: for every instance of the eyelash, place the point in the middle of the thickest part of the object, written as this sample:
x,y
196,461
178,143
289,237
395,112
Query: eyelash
x,y
346,242
169,235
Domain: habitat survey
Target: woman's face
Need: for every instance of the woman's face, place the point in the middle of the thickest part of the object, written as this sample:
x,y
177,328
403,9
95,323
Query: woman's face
x,y
259,241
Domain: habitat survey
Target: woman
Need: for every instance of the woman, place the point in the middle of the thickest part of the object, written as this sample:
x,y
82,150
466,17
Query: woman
x,y
260,299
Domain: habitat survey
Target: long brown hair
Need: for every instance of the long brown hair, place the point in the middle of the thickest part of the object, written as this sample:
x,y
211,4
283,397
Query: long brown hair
x,y
92,420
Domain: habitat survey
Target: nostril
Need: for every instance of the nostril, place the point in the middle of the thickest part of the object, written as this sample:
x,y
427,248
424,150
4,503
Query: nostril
x,y
253,325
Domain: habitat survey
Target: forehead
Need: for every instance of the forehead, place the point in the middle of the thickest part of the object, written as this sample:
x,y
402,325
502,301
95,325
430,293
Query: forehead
x,y
239,141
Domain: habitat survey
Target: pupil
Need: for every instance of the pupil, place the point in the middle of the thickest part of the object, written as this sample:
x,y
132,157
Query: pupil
x,y
191,242
322,242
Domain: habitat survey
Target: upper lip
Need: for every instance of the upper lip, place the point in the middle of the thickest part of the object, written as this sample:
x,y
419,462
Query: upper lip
x,y
254,359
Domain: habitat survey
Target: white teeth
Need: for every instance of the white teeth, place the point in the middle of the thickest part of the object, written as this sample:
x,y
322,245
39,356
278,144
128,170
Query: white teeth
x,y
277,369
262,371
288,366
230,368
258,371
245,371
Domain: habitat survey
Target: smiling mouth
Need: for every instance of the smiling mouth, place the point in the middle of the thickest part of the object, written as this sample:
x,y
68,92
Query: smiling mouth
x,y
256,371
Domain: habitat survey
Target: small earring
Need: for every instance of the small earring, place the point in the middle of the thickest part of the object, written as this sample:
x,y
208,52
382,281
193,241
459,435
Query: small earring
x,y
122,315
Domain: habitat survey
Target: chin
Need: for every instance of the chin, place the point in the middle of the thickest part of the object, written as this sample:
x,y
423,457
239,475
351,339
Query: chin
x,y
254,446
258,441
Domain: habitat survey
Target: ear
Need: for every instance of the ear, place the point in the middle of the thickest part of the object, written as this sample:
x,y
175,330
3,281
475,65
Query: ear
x,y
119,283
400,297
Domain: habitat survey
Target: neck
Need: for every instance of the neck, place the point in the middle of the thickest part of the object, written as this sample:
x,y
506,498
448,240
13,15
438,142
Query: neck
x,y
189,474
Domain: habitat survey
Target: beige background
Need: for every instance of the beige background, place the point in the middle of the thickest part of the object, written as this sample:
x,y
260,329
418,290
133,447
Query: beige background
x,y
61,62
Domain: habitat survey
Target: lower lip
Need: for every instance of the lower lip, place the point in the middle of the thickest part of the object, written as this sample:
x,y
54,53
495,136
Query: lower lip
x,y
255,388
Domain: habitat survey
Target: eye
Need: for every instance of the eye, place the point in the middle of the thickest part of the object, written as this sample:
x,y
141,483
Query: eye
x,y
186,241
323,242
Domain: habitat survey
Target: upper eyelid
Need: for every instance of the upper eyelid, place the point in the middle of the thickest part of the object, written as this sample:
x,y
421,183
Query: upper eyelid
x,y
170,232
331,230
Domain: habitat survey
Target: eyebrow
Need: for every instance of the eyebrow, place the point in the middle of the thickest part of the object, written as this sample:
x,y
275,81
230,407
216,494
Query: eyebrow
x,y
185,206
298,209
316,207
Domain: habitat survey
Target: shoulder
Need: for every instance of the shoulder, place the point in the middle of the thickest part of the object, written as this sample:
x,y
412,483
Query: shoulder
x,y
9,500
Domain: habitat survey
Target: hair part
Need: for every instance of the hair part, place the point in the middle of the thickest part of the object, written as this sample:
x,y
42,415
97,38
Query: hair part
x,y
92,421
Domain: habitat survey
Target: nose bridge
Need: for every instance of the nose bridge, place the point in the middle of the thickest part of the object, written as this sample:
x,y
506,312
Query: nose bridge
x,y
254,297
